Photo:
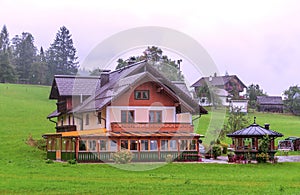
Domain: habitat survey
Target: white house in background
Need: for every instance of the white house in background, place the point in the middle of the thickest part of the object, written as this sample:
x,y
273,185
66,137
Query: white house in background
x,y
239,104
226,88
222,94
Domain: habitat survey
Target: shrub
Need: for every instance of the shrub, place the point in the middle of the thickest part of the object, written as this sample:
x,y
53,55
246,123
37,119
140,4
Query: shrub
x,y
72,161
216,151
122,157
41,144
264,144
262,157
169,158
49,161
230,154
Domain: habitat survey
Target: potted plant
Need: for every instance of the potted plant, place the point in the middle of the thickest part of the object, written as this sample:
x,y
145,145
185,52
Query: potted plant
x,y
216,151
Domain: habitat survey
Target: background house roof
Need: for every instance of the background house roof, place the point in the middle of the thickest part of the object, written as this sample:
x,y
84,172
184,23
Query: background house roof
x,y
218,81
271,100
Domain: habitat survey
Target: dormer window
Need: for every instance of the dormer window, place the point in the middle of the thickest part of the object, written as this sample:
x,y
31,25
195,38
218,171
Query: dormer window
x,y
141,94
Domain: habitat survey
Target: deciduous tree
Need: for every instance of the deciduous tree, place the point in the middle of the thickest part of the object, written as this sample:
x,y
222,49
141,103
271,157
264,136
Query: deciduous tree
x,y
253,91
292,99
154,56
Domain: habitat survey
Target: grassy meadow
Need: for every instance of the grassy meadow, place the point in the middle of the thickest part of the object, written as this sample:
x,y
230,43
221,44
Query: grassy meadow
x,y
23,169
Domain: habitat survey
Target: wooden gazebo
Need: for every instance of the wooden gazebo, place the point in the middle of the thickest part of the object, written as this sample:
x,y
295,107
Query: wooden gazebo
x,y
246,141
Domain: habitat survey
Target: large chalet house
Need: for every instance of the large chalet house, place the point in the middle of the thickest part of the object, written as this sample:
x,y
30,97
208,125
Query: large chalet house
x,y
228,89
134,108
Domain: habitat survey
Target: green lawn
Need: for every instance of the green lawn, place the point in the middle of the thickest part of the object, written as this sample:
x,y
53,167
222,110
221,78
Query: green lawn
x,y
23,111
287,124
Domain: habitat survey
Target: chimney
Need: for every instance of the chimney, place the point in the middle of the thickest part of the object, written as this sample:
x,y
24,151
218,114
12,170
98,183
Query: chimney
x,y
104,78
267,126
210,78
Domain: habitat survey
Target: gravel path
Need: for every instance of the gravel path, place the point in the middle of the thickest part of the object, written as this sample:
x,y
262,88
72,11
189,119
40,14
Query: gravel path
x,y
224,159
288,158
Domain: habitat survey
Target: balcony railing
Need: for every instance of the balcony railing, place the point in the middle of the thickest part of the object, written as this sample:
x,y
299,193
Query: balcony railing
x,y
65,128
152,127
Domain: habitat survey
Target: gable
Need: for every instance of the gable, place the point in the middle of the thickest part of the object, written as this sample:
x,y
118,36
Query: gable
x,y
156,96
221,82
121,82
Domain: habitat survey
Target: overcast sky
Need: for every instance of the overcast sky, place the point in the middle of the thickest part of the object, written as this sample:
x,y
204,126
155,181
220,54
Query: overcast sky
x,y
257,40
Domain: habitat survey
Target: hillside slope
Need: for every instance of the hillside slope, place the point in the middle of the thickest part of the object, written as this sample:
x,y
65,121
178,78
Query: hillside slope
x,y
23,111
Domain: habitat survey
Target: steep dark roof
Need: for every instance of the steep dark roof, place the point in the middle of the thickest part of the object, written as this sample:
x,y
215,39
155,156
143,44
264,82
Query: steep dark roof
x,y
254,130
217,81
67,85
270,100
119,81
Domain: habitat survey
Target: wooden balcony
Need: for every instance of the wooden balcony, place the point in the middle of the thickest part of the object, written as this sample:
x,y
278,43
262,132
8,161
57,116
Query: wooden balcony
x,y
62,106
152,127
65,128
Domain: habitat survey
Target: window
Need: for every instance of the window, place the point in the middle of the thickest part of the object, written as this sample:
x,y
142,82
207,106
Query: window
x,y
144,145
173,144
62,121
183,144
153,145
164,145
92,145
192,145
103,144
51,144
82,145
133,144
87,119
66,145
203,100
113,145
155,116
141,95
124,144
127,116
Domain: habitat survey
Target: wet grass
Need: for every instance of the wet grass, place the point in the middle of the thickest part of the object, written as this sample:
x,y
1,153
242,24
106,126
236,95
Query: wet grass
x,y
23,169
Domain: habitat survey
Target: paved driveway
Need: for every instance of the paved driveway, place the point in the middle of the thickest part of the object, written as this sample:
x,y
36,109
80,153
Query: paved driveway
x,y
224,159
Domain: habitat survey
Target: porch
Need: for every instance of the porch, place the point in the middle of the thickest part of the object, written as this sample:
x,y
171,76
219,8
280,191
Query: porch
x,y
144,156
94,146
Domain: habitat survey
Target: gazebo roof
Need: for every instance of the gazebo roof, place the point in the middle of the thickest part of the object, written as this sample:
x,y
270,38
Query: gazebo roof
x,y
254,130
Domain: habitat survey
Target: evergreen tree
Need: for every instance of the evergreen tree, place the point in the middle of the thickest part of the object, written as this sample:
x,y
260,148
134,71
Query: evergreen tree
x,y
7,72
39,69
61,56
24,55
